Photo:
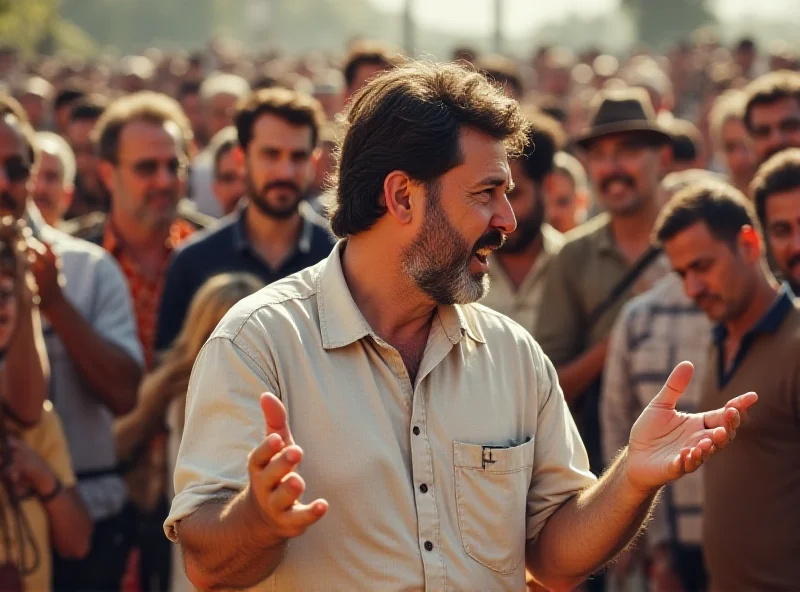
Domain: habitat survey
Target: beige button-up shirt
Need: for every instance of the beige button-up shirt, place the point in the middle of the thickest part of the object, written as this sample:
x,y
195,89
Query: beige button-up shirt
x,y
523,305
435,485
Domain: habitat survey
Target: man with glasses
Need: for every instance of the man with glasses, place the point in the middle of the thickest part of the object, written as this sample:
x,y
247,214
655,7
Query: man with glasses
x,y
142,143
772,113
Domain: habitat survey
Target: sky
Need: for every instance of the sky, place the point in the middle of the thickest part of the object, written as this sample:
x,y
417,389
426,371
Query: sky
x,y
477,16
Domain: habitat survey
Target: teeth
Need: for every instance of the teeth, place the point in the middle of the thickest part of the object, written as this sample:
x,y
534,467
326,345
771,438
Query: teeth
x,y
485,252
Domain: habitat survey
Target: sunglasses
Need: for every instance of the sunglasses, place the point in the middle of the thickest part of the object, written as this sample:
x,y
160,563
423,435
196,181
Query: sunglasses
x,y
148,168
16,169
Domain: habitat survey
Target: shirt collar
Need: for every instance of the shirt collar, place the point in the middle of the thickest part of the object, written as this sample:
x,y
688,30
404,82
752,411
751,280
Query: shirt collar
x,y
241,242
772,319
341,322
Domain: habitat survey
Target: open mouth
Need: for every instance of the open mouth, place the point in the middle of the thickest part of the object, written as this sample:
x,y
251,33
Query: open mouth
x,y
482,254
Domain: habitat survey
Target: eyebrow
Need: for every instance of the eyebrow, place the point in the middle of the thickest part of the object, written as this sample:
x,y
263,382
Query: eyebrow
x,y
494,181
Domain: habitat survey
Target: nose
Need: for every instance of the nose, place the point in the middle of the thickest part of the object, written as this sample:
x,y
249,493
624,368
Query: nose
x,y
164,177
693,286
503,218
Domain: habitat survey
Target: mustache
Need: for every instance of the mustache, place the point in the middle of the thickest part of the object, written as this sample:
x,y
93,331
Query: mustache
x,y
493,239
622,178
795,260
282,184
167,193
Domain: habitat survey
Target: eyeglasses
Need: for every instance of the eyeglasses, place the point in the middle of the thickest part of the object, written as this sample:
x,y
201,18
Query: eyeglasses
x,y
148,168
17,170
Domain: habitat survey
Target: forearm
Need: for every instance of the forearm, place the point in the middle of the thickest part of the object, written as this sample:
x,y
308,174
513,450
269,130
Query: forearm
x,y
578,375
70,524
589,530
110,373
222,549
26,368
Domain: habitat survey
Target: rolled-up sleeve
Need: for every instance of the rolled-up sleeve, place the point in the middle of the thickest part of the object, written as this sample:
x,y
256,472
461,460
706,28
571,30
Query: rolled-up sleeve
x,y
224,422
561,465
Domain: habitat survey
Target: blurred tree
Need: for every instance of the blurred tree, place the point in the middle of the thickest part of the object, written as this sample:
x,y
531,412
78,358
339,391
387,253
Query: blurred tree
x,y
35,26
660,22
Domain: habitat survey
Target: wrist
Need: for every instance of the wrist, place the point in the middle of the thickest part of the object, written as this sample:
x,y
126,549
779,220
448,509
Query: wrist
x,y
256,522
47,486
637,490
54,307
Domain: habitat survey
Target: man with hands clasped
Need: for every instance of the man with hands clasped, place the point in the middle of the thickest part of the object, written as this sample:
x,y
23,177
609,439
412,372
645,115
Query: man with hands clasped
x,y
437,450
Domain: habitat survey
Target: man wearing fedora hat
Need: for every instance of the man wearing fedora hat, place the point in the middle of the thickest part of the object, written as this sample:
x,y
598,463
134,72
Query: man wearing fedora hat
x,y
608,259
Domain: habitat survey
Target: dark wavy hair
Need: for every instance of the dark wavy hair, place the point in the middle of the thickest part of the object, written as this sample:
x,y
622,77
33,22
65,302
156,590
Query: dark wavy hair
x,y
410,119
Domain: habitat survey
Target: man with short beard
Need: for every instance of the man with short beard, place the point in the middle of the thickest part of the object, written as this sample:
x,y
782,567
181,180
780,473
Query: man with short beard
x,y
776,194
275,232
772,113
518,268
439,453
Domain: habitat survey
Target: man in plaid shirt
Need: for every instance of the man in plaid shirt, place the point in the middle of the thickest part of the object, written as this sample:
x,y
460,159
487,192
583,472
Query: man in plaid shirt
x,y
655,331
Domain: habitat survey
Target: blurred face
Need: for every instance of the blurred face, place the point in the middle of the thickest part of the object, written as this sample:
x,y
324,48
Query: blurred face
x,y
775,127
782,227
625,172
8,310
563,202
467,215
280,165
229,182
737,152
15,171
36,108
78,136
149,177
718,278
527,203
193,108
219,113
50,194
363,74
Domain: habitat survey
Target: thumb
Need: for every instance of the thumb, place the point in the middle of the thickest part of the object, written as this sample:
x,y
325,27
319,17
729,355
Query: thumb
x,y
675,386
275,417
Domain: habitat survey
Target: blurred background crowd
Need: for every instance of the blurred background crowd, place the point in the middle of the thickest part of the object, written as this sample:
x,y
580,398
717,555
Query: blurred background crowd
x,y
160,130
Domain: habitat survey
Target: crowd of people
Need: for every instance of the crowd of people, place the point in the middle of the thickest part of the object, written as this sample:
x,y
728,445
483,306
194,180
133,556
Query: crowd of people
x,y
656,218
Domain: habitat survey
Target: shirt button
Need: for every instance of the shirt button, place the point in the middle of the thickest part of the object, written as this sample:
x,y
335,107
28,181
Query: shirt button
x,y
423,488
428,546
416,430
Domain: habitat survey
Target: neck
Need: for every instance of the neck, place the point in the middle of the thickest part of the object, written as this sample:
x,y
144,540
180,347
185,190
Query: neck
x,y
635,227
392,306
762,299
138,237
264,231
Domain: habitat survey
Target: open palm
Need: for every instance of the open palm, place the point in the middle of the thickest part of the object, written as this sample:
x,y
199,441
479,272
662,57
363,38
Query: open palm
x,y
666,444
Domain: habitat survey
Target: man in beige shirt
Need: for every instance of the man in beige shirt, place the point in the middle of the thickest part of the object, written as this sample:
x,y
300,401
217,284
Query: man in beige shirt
x,y
517,269
436,441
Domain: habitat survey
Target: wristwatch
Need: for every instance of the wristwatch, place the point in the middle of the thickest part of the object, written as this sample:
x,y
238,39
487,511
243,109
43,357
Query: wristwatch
x,y
59,487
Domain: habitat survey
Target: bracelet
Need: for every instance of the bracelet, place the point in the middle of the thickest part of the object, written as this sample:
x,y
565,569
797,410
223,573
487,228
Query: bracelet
x,y
59,487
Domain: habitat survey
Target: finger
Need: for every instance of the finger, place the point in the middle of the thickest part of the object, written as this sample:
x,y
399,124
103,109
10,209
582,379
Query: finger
x,y
275,417
286,493
743,402
678,463
676,384
264,452
304,515
281,465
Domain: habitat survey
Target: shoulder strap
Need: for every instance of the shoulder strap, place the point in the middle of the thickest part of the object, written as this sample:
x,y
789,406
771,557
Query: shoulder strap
x,y
633,274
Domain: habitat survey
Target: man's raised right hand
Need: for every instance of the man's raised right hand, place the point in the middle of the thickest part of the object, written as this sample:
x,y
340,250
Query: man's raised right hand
x,y
275,487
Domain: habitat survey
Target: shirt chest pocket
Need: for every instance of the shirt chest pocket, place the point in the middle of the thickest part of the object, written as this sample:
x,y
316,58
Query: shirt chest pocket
x,y
491,487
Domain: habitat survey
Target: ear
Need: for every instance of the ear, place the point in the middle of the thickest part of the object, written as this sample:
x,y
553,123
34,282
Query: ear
x,y
398,195
750,243
316,154
105,170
